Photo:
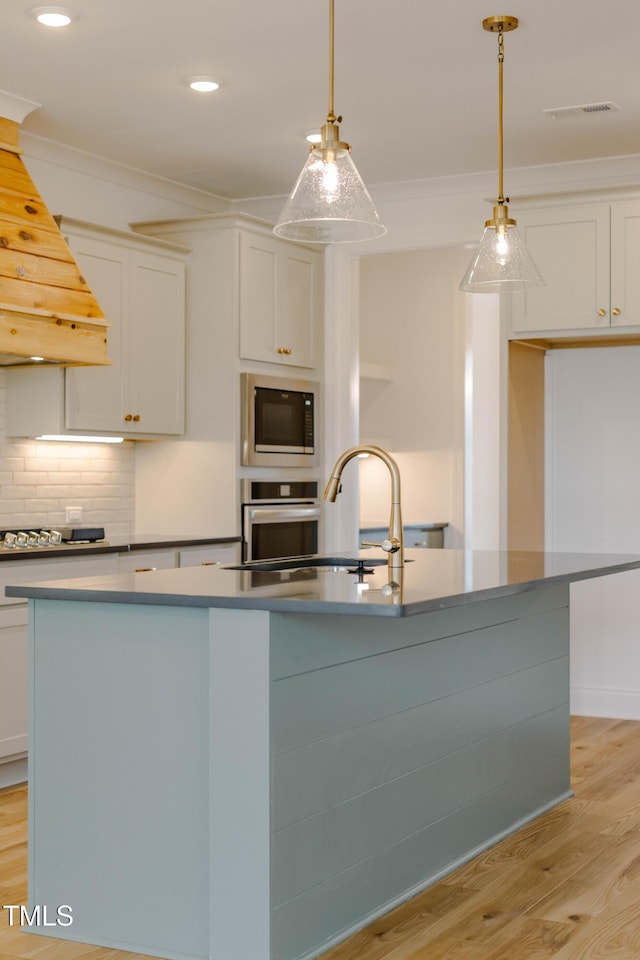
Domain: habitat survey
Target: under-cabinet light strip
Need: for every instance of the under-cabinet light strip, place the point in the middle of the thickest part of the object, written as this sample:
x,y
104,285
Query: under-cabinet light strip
x,y
79,439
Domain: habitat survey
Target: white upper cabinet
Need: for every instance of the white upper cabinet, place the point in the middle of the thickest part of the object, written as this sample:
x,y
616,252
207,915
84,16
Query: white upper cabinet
x,y
140,285
280,296
143,294
587,254
625,256
94,397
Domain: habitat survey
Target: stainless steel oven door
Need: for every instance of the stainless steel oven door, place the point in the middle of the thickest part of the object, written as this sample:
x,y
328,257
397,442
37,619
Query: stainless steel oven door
x,y
271,531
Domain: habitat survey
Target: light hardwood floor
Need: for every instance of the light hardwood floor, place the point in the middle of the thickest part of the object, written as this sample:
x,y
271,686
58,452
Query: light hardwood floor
x,y
567,886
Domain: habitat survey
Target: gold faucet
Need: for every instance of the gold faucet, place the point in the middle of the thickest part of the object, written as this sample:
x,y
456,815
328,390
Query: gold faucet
x,y
394,544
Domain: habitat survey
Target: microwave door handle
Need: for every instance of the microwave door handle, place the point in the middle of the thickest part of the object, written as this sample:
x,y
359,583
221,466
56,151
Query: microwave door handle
x,y
278,514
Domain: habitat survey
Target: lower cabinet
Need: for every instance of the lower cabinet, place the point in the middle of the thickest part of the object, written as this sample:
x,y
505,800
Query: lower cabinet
x,y
166,558
140,561
14,627
428,535
204,556
13,682
13,651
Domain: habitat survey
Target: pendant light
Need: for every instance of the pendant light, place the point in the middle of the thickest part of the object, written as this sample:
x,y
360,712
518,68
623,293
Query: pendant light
x,y
502,261
329,202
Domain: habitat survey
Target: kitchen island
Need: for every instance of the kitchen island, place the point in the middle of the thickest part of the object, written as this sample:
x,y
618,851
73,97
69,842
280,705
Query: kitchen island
x,y
254,763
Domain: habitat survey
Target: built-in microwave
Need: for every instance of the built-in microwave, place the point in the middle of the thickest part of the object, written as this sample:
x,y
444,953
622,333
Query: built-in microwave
x,y
279,421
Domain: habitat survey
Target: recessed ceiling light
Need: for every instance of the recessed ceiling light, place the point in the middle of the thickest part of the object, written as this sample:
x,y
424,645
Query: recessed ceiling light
x,y
203,84
313,136
54,16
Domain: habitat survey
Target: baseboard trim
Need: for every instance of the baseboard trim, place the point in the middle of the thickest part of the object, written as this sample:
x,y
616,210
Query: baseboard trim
x,y
594,702
13,772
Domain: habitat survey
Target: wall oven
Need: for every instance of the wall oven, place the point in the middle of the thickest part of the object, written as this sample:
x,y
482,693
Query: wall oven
x,y
280,519
279,426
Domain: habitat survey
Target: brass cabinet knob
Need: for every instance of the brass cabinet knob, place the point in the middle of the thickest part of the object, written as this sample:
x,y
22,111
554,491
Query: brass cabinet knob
x,y
284,350
136,419
128,417
616,312
602,313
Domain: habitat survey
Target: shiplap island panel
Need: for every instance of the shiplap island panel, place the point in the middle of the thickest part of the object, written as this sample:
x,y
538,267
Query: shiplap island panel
x,y
231,744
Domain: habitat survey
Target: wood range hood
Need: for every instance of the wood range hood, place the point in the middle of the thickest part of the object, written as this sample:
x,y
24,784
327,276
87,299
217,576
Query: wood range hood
x,y
47,310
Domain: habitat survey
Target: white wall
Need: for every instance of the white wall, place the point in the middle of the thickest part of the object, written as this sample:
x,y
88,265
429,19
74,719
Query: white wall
x,y
593,466
593,449
80,185
429,392
191,485
485,425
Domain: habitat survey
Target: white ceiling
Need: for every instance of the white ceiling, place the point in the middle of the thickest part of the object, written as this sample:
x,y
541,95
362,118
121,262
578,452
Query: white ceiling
x,y
417,86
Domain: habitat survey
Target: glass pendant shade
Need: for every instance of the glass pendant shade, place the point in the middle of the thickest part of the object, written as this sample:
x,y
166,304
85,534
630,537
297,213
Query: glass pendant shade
x,y
329,202
501,262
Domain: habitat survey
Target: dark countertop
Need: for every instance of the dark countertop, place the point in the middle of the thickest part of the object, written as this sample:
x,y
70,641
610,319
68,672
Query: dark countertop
x,y
405,526
431,580
118,545
145,541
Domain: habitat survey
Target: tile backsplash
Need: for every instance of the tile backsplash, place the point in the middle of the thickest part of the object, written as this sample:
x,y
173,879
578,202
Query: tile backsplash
x,y
39,479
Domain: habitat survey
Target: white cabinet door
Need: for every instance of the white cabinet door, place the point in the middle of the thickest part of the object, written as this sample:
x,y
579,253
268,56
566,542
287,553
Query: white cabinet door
x,y
279,301
299,310
258,293
13,681
94,395
204,556
142,561
625,255
156,344
570,246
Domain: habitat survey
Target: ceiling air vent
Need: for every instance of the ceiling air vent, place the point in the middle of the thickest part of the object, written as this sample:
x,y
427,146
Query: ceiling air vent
x,y
558,113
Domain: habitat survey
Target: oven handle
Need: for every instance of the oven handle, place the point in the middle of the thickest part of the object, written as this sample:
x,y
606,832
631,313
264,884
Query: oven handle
x,y
280,514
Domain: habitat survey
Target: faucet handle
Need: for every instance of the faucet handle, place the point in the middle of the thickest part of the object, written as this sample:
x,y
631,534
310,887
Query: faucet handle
x,y
390,545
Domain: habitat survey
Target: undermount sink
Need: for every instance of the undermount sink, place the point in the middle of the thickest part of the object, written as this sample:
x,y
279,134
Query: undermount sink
x,y
355,564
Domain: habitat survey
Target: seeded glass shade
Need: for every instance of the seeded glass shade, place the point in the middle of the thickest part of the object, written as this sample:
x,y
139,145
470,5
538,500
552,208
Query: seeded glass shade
x,y
501,262
329,202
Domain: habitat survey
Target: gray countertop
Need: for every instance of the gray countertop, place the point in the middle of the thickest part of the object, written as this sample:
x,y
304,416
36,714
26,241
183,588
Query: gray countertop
x,y
118,545
430,580
384,524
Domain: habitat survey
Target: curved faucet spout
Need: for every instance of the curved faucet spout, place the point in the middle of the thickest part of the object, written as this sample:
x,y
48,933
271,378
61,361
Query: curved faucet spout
x,y
394,544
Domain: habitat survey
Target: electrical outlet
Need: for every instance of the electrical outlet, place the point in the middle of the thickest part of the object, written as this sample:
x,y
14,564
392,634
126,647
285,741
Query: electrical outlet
x,y
73,514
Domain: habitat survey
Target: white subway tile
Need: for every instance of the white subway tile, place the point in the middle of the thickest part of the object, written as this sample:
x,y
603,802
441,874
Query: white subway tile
x,y
38,480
